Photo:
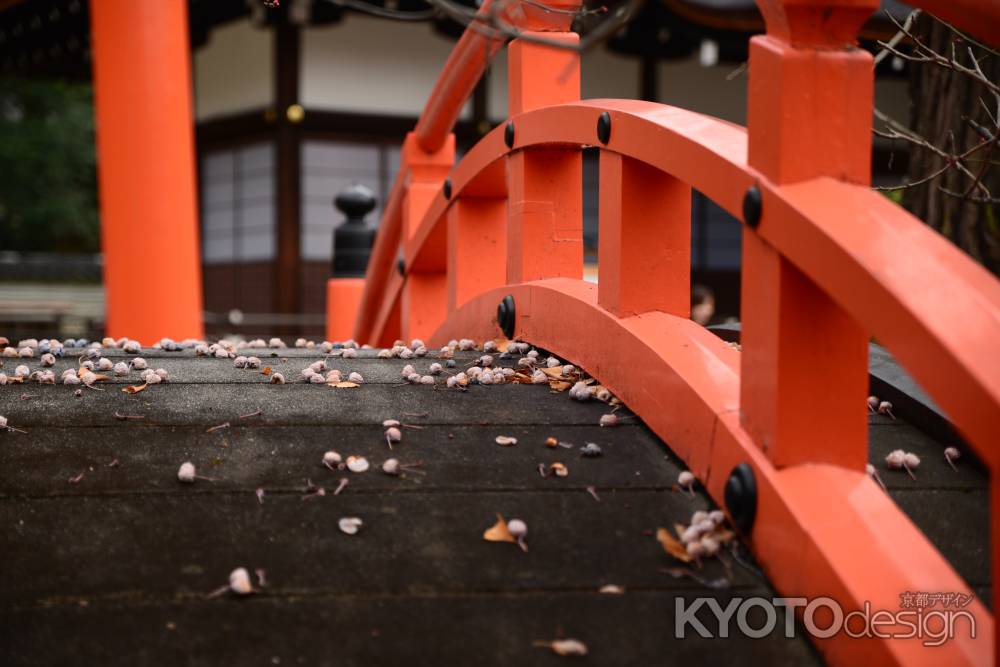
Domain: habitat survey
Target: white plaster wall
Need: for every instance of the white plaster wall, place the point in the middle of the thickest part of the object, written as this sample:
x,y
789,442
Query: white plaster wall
x,y
602,74
234,71
685,83
370,65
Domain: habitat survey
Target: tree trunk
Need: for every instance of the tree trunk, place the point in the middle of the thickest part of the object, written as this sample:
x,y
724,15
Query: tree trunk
x,y
943,101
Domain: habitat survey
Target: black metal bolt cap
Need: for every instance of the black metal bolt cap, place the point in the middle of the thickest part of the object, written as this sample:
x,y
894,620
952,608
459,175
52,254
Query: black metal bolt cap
x,y
447,188
506,316
508,134
741,497
401,267
604,127
752,207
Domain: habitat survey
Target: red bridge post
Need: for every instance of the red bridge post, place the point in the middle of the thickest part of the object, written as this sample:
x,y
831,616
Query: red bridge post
x,y
805,360
544,185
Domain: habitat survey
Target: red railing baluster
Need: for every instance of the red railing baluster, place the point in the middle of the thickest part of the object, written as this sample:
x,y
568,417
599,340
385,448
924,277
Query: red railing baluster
x,y
424,303
644,256
544,186
477,247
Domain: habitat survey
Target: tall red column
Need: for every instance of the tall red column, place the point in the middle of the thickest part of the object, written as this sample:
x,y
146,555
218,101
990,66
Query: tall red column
x,y
146,170
809,115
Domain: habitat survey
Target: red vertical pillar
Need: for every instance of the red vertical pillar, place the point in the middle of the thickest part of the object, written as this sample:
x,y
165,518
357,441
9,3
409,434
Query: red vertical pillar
x,y
146,171
544,185
424,302
644,256
804,361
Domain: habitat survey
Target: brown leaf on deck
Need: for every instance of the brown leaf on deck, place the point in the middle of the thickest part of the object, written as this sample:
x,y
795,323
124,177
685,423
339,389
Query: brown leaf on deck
x,y
723,535
135,389
266,370
672,546
343,385
499,532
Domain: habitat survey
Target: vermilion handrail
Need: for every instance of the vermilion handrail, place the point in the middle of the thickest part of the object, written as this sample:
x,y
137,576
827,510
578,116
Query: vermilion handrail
x,y
846,237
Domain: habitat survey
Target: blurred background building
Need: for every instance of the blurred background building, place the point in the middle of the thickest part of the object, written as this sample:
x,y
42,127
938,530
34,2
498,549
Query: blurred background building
x,y
294,103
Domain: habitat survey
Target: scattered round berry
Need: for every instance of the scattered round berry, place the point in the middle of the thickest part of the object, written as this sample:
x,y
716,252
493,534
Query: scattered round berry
x,y
357,464
186,473
239,581
350,525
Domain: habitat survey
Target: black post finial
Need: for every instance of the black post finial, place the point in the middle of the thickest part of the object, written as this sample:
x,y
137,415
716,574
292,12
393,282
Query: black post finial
x,y
353,239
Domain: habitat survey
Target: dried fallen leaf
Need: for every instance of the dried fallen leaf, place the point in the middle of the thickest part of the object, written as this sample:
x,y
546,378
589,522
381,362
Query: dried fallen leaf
x,y
564,647
723,535
502,344
560,386
499,532
672,546
266,370
135,389
554,373
506,440
343,385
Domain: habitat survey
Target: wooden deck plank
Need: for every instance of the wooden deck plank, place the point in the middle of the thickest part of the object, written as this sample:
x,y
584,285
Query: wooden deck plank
x,y
413,543
246,457
298,404
631,629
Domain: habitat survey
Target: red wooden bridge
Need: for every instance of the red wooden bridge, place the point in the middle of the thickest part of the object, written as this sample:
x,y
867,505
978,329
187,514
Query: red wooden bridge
x,y
827,264
775,431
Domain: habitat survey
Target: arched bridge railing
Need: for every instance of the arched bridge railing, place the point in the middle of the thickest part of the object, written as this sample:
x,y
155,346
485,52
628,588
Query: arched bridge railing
x,y
827,264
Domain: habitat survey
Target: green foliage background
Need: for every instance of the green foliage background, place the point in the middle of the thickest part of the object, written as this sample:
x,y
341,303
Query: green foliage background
x,y
48,176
